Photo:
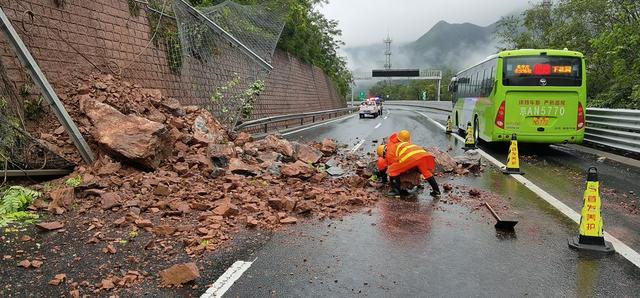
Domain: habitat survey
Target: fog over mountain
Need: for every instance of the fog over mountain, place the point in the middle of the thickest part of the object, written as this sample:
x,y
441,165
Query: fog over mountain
x,y
451,46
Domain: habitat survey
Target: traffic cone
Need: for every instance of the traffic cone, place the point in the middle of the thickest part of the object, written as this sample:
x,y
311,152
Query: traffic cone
x,y
513,159
591,224
470,142
449,126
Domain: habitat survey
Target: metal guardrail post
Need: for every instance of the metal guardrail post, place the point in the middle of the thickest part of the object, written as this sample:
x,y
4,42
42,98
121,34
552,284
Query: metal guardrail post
x,y
39,78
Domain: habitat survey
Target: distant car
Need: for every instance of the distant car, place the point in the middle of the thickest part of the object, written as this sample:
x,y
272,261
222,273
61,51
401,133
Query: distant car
x,y
369,108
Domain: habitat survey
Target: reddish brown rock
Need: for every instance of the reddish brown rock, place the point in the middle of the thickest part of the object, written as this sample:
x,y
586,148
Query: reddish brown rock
x,y
281,146
164,230
329,146
24,264
110,200
134,138
58,279
226,209
179,274
306,153
50,226
62,197
143,223
297,169
237,166
242,139
288,220
444,161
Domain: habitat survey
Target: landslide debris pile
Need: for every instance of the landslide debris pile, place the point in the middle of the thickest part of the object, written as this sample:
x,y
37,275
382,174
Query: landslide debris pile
x,y
175,173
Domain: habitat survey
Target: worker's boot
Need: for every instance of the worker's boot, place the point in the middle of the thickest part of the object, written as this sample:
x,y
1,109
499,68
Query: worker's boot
x,y
395,187
383,176
435,189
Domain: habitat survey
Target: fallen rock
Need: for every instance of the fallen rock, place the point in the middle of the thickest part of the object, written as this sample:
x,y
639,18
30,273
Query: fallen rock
x,y
62,197
444,161
474,192
50,226
24,264
242,139
471,160
134,138
289,220
164,230
110,200
221,154
297,169
279,145
329,146
307,153
179,274
58,279
237,166
335,171
226,209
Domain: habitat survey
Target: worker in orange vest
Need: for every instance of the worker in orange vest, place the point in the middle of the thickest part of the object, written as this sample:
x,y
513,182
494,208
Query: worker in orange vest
x,y
385,159
406,157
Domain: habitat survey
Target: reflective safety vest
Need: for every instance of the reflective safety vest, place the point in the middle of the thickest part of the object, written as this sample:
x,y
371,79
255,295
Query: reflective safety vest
x,y
407,152
392,145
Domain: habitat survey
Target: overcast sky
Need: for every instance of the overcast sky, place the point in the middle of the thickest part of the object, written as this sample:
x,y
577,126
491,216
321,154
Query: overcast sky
x,y
366,22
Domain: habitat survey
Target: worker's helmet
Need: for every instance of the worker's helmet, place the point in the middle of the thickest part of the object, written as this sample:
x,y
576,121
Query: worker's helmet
x,y
404,136
381,149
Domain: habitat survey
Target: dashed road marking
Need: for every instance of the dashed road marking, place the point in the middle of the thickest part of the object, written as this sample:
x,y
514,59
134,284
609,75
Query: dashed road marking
x,y
319,124
623,249
378,126
357,146
226,280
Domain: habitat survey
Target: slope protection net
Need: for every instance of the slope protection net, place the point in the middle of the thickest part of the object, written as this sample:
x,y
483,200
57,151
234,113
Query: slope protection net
x,y
19,151
226,52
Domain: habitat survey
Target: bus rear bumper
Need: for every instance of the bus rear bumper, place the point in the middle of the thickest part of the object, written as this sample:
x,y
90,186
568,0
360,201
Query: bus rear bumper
x,y
577,138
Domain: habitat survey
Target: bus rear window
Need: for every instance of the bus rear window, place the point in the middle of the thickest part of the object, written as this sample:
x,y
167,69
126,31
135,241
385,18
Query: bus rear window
x,y
542,71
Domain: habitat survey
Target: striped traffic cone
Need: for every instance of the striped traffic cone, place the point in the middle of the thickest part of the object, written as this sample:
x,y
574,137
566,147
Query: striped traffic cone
x,y
470,141
591,224
513,159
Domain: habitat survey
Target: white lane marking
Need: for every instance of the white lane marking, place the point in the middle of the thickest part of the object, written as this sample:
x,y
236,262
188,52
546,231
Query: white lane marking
x,y
378,126
623,249
354,149
319,124
226,280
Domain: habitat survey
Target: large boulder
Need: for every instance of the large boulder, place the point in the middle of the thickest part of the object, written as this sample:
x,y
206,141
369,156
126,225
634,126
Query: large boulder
x,y
131,137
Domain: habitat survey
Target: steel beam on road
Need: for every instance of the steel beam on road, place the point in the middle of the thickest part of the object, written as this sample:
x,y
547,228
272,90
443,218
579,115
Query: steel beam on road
x,y
39,78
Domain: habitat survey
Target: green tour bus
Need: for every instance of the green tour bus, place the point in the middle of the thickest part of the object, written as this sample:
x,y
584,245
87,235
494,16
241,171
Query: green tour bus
x,y
539,95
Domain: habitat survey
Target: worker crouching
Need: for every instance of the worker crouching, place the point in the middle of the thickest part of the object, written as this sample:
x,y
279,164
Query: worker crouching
x,y
403,157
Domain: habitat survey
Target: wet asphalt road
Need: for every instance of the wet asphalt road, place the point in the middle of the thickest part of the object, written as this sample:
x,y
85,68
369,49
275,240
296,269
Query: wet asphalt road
x,y
432,248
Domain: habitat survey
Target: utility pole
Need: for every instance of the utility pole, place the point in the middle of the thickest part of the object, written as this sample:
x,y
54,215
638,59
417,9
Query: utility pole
x,y
387,52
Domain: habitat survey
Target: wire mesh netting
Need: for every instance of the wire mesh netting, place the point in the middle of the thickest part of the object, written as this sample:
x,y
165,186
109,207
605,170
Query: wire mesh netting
x,y
226,50
21,152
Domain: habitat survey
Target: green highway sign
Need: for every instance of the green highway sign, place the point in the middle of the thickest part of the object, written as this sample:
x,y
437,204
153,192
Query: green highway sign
x,y
362,95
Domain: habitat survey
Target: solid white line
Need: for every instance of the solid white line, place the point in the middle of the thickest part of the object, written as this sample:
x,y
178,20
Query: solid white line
x,y
378,126
624,250
354,149
319,124
226,280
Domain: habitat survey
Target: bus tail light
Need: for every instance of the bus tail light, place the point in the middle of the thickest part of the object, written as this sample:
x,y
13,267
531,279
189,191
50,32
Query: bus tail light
x,y
580,116
500,116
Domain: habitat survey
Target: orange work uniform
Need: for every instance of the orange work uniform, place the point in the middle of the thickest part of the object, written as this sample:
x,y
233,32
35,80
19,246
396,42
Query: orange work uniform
x,y
410,156
392,145
382,164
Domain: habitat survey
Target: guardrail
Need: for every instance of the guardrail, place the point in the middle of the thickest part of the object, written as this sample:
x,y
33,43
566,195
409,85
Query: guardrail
x,y
290,118
614,128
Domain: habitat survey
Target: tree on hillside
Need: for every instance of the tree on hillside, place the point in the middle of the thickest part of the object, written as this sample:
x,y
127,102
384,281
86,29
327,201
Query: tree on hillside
x,y
606,31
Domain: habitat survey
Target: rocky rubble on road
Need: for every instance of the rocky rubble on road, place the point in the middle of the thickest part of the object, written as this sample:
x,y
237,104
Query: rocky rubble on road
x,y
174,174
469,162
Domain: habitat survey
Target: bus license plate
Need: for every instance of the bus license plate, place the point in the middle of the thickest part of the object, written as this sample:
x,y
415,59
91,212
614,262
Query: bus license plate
x,y
541,121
